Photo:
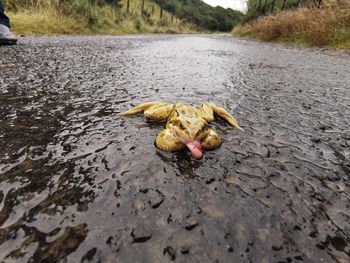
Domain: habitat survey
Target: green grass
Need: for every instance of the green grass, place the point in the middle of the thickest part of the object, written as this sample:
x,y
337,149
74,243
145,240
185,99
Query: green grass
x,y
89,17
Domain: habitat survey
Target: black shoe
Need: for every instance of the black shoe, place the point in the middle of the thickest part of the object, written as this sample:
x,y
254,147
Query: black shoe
x,y
6,36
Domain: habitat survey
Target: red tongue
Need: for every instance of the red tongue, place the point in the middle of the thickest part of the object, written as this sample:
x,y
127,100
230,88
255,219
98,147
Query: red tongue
x,y
195,148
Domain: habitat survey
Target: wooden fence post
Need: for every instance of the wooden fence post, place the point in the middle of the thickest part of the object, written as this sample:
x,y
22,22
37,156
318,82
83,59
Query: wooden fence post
x,y
264,10
128,6
259,5
272,5
284,4
142,7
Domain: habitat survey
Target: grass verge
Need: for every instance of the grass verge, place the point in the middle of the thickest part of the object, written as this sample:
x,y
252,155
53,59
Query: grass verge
x,y
326,26
83,17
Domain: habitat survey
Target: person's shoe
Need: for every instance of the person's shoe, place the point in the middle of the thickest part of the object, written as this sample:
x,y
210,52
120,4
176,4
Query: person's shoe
x,y
6,36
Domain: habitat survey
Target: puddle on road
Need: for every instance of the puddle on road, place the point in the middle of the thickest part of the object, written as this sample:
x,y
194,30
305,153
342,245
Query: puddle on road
x,y
78,183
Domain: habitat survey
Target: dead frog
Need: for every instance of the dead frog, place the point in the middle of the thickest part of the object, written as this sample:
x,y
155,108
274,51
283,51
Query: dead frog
x,y
185,125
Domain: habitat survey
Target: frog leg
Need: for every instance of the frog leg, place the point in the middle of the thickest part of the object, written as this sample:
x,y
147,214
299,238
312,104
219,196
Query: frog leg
x,y
206,112
139,108
155,110
225,115
166,141
160,111
211,141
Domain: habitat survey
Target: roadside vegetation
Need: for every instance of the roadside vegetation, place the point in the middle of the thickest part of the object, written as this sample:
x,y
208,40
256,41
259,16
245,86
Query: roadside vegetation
x,y
118,16
308,22
92,17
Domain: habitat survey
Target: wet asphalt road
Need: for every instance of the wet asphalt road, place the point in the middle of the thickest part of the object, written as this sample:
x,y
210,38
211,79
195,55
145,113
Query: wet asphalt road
x,y
78,184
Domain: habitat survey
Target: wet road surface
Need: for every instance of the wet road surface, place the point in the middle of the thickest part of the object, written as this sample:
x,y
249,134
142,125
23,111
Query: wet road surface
x,y
78,184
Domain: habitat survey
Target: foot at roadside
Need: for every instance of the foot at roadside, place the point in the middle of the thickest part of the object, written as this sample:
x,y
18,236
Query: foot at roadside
x,y
6,36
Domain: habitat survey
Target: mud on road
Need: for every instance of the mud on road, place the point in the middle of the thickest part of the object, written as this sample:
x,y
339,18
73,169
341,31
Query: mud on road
x,y
79,184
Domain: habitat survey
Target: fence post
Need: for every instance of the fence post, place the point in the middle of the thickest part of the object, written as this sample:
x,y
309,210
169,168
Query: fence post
x,y
264,10
259,5
272,5
284,4
142,7
128,6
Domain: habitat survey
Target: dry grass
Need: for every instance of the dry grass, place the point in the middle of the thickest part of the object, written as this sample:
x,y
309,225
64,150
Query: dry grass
x,y
326,26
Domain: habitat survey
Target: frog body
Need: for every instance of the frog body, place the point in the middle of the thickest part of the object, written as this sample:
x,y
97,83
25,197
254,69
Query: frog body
x,y
185,125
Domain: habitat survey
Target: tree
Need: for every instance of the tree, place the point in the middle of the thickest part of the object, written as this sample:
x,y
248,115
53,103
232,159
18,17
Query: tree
x,y
202,14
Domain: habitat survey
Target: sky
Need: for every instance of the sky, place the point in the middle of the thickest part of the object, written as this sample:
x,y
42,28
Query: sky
x,y
234,4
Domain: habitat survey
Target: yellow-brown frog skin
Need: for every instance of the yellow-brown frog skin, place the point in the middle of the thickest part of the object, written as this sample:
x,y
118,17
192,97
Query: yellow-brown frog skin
x,y
184,123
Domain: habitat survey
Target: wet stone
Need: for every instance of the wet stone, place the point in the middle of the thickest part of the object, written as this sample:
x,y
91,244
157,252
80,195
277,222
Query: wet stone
x,y
297,228
143,190
191,223
92,256
315,140
109,240
198,210
210,180
139,204
277,248
170,252
185,250
313,234
156,198
299,258
169,219
140,234
338,242
320,246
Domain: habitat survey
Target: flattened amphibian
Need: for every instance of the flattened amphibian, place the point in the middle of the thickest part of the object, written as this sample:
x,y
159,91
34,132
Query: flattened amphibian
x,y
185,125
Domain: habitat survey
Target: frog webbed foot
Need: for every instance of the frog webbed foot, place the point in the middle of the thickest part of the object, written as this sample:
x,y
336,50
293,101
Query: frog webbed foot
x,y
221,112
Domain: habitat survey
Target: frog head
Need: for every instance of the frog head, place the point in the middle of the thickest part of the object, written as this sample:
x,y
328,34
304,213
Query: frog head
x,y
189,128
